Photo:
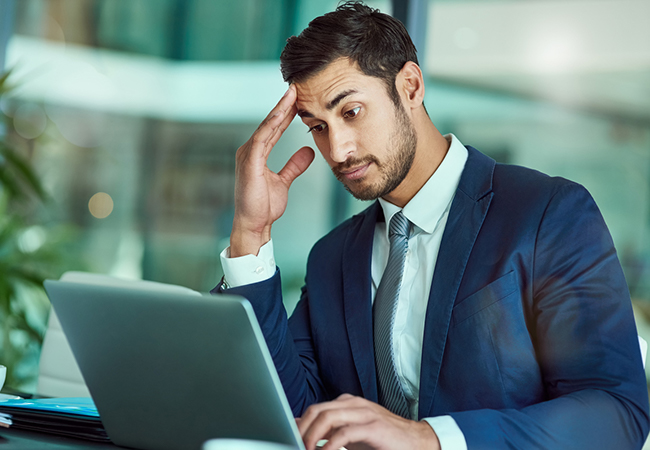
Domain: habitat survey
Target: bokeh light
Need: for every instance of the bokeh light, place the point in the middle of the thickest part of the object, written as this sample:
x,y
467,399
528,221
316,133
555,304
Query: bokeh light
x,y
31,239
30,121
100,205
87,130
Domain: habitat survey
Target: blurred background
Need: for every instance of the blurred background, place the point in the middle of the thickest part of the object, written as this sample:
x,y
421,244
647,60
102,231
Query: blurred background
x,y
120,122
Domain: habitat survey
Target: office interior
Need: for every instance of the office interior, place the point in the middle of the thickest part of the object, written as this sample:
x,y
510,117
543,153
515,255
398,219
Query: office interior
x,y
129,114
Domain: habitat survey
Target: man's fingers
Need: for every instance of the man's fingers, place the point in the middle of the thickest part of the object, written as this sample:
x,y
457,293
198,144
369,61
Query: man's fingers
x,y
364,433
267,130
314,411
357,423
342,402
328,423
287,100
279,131
272,127
255,147
285,103
296,165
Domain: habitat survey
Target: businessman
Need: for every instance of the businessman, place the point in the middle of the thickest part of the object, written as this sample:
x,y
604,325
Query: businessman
x,y
473,305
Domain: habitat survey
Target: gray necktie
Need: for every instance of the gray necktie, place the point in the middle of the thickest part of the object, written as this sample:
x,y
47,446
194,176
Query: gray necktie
x,y
391,395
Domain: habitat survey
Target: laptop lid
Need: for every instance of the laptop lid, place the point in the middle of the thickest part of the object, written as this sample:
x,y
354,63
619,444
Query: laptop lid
x,y
172,370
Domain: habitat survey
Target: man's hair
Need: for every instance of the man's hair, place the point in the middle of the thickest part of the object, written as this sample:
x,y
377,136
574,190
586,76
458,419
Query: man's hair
x,y
378,43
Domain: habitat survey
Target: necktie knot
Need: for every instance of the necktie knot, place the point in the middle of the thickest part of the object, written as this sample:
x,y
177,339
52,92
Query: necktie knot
x,y
399,225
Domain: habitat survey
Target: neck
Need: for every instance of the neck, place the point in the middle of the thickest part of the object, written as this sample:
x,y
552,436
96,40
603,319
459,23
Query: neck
x,y
431,149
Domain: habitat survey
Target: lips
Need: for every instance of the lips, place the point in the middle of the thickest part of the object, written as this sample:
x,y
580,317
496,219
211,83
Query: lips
x,y
355,173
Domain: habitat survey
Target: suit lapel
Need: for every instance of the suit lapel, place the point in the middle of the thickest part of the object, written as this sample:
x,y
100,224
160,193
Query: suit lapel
x,y
466,216
357,257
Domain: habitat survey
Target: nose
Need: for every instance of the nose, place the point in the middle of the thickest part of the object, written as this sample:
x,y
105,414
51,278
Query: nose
x,y
341,144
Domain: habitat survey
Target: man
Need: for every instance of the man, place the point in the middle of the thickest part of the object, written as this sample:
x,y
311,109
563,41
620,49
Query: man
x,y
482,299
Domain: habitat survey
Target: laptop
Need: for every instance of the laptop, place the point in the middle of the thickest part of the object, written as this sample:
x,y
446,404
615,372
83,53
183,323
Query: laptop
x,y
171,370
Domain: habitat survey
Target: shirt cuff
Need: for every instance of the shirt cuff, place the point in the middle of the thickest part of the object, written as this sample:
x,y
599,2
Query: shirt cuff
x,y
248,269
448,432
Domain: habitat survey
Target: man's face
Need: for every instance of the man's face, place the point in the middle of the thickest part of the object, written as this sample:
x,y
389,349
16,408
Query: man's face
x,y
367,140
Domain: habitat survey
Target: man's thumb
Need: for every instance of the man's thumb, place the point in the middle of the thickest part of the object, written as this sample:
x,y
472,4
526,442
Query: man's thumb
x,y
296,165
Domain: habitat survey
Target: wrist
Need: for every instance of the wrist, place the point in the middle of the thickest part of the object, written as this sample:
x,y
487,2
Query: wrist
x,y
429,437
244,242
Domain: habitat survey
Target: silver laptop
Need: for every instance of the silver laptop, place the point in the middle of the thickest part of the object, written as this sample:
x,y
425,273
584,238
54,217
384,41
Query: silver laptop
x,y
172,370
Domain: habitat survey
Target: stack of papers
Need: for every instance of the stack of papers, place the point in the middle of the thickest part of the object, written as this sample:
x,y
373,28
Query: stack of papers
x,y
72,417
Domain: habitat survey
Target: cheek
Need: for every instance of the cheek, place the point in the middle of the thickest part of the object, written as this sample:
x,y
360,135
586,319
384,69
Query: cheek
x,y
377,140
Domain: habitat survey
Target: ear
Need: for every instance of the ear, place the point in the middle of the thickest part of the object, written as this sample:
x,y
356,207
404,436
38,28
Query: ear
x,y
410,85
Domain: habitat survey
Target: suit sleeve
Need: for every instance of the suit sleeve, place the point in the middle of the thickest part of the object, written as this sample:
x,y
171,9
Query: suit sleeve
x,y
294,360
585,341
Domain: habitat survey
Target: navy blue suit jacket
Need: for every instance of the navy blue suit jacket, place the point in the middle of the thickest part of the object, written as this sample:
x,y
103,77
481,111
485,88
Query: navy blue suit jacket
x,y
529,338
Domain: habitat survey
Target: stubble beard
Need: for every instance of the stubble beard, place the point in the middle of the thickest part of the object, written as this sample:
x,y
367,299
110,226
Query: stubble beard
x,y
393,170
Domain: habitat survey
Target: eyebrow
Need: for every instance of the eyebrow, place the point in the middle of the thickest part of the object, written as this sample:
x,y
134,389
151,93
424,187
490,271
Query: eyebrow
x,y
331,105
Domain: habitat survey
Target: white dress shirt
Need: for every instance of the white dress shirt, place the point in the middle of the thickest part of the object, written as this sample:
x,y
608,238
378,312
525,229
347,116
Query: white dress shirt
x,y
428,210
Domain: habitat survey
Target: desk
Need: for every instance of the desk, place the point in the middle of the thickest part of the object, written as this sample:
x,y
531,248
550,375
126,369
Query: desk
x,y
30,440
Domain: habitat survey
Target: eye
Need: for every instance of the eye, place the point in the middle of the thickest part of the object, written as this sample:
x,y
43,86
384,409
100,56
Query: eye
x,y
317,128
352,113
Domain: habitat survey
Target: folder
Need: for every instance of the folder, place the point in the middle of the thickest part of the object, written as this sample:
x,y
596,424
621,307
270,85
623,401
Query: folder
x,y
70,417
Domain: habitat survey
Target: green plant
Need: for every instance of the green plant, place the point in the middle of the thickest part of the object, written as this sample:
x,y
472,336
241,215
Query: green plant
x,y
27,257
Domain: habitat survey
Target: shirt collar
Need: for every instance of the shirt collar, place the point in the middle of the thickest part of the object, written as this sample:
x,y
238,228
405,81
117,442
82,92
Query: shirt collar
x,y
427,206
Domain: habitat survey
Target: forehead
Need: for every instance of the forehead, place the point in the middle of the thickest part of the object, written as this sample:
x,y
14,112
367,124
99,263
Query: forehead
x,y
339,77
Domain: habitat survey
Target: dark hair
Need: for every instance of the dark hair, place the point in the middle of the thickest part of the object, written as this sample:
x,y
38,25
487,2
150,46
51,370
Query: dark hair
x,y
377,42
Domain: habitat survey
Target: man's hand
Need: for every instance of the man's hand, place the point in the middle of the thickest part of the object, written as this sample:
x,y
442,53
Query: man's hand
x,y
260,194
357,423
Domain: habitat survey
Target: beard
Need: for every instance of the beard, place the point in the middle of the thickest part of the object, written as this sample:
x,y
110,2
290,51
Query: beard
x,y
392,170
